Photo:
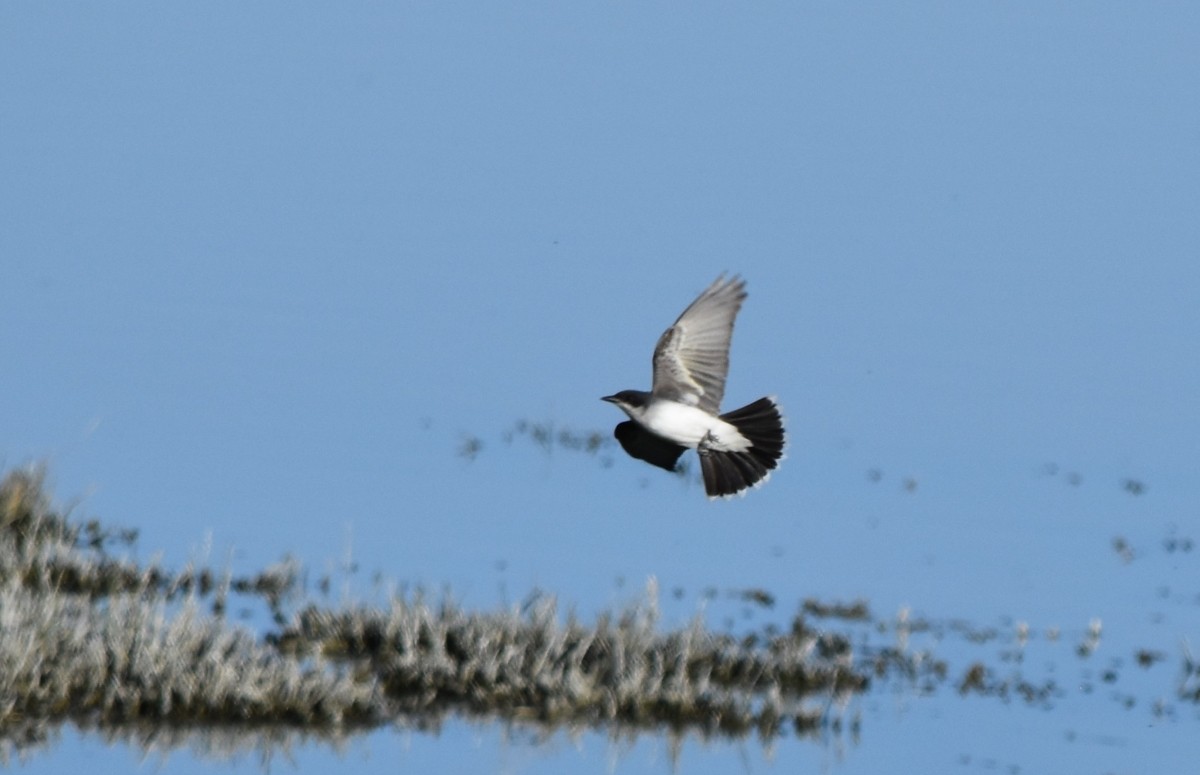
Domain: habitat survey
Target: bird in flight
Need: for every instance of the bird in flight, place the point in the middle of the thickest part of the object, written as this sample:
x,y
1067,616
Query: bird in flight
x,y
738,449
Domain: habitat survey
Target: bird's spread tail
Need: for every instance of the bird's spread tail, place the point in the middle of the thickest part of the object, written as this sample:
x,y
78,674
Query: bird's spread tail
x,y
729,473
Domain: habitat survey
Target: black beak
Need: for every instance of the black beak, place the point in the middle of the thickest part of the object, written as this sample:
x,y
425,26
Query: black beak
x,y
610,399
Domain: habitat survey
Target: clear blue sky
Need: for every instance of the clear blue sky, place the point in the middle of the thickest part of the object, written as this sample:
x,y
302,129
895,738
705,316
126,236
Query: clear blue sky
x,y
263,267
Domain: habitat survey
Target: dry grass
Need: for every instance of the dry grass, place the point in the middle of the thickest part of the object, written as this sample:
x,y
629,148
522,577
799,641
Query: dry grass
x,y
147,655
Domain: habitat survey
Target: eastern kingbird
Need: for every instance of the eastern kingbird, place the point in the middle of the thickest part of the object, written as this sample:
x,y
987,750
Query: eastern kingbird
x,y
738,449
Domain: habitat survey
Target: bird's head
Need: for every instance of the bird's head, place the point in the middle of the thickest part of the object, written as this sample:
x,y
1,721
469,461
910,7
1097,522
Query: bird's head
x,y
629,400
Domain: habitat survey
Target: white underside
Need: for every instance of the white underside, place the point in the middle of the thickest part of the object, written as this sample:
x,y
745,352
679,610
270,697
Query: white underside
x,y
688,426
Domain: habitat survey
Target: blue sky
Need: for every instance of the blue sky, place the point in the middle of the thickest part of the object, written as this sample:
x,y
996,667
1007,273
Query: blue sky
x,y
265,267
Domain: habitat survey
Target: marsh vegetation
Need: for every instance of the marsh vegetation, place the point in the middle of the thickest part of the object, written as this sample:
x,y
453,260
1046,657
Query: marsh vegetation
x,y
93,638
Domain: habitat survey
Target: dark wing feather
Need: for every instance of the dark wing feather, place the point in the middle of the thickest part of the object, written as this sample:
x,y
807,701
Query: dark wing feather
x,y
644,445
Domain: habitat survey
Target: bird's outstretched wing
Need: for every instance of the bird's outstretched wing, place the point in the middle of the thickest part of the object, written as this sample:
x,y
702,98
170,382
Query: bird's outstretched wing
x,y
644,445
692,356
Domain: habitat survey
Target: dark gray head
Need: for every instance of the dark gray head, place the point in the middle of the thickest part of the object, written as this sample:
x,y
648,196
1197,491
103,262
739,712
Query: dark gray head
x,y
634,399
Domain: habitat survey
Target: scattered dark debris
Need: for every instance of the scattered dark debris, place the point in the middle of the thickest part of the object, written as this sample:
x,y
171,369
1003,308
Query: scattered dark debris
x,y
1147,657
978,679
1133,486
547,436
1164,710
1073,478
974,680
1174,543
758,596
1189,680
855,611
1123,549
1090,641
470,448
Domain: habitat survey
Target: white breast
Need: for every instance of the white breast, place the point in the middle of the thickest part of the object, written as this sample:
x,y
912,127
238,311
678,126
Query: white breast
x,y
688,425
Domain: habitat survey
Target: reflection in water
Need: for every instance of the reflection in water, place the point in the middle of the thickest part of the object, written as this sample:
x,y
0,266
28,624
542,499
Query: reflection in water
x,y
106,643
146,656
